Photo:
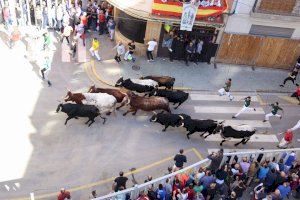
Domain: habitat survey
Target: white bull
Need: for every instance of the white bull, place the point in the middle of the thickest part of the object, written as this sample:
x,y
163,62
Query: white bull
x,y
104,102
148,82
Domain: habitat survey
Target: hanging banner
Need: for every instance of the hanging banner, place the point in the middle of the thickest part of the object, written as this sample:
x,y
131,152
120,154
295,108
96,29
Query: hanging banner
x,y
188,16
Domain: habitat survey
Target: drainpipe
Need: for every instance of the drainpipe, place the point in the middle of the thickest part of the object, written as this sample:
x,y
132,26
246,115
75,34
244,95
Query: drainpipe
x,y
228,15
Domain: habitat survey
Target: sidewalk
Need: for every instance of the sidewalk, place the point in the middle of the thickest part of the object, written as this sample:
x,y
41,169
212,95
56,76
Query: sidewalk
x,y
203,77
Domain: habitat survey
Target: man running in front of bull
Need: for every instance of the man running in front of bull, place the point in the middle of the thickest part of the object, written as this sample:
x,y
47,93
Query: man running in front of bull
x,y
245,108
274,111
226,90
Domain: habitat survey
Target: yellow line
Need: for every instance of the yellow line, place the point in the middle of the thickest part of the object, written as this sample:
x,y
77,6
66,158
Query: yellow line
x,y
94,72
289,99
98,183
199,155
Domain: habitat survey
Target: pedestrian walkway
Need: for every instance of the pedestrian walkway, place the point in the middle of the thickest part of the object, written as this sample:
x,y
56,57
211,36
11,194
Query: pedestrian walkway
x,y
211,106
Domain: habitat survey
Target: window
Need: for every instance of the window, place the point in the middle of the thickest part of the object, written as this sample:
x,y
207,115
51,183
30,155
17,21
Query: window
x,y
271,31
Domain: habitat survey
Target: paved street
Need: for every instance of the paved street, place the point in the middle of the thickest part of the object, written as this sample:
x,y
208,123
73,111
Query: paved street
x,y
39,153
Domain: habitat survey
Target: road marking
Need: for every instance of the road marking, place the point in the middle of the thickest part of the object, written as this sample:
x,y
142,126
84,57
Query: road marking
x,y
212,97
43,196
291,100
222,109
199,155
254,138
65,52
261,101
253,123
81,52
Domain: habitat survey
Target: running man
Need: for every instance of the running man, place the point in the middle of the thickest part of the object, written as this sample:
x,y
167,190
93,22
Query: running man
x,y
286,140
226,90
291,77
45,69
274,111
95,48
245,108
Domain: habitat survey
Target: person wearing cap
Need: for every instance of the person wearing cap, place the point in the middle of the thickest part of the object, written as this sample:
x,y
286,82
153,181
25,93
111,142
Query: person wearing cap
x,y
275,108
63,194
245,108
286,140
226,90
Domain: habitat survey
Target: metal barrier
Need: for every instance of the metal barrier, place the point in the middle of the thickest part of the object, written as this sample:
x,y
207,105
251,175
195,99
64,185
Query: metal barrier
x,y
227,158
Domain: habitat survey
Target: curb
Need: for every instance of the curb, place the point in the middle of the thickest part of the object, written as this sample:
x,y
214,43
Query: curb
x,y
100,79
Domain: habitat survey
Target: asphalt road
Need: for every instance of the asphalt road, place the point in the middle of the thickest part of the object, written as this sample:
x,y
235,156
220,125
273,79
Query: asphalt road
x,y
39,153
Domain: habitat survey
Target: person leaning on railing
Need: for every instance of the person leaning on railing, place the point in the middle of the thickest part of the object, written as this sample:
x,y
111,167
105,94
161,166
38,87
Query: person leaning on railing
x,y
216,159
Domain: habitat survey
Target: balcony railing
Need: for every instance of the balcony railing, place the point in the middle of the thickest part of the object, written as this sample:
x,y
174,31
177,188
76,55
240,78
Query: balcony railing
x,y
277,7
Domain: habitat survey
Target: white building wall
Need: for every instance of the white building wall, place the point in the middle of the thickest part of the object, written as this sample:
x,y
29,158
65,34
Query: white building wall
x,y
241,21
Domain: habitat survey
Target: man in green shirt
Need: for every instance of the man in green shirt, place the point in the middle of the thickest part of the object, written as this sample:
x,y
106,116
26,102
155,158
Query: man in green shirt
x,y
246,107
274,111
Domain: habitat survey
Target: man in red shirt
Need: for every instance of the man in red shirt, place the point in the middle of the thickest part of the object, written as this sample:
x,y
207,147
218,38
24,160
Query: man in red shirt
x,y
286,140
63,194
297,94
102,20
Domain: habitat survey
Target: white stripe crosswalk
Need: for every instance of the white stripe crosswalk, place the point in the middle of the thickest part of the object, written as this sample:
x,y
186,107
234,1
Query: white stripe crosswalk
x,y
211,97
212,108
223,109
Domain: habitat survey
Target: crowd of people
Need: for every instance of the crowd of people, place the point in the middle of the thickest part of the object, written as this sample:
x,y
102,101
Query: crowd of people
x,y
263,178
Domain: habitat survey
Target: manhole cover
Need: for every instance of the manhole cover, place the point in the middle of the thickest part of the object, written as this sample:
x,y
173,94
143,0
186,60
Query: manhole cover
x,y
135,67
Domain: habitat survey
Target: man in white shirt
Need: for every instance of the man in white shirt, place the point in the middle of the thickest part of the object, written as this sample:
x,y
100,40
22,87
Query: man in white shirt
x,y
66,34
151,46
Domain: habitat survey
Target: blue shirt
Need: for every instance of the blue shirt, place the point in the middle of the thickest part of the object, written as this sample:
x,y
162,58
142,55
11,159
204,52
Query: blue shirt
x,y
290,160
262,173
284,191
161,194
207,180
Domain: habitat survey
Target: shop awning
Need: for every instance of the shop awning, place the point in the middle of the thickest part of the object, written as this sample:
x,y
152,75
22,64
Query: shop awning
x,y
174,9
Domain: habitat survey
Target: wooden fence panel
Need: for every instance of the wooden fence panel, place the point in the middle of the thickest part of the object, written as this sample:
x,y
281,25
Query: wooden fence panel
x,y
258,51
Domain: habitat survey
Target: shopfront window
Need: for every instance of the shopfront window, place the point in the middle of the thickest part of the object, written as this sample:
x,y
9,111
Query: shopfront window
x,y
132,28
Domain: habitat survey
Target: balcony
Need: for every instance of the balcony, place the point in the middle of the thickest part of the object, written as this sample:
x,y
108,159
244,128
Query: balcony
x,y
285,10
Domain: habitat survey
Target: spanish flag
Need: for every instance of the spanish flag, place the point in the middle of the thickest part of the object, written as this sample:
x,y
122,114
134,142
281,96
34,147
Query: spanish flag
x,y
174,9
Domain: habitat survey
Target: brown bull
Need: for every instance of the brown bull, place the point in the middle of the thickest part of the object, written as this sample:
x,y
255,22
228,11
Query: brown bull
x,y
120,96
165,81
146,103
74,97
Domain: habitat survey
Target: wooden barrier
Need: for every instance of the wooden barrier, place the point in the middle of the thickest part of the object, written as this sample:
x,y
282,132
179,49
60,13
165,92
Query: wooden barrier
x,y
258,51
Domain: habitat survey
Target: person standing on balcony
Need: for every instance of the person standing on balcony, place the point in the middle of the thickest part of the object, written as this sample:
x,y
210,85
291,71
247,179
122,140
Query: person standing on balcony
x,y
151,46
120,182
245,108
275,108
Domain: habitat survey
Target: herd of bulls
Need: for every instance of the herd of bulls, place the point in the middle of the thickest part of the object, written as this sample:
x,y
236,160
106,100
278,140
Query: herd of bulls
x,y
99,101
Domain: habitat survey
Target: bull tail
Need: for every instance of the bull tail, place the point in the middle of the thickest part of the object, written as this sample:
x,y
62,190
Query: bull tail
x,y
59,107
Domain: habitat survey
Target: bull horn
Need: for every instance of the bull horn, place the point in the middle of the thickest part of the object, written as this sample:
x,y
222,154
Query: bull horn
x,y
182,125
154,112
181,117
69,89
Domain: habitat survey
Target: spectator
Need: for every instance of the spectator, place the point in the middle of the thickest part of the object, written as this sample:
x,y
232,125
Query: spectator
x,y
270,179
66,33
95,48
199,174
281,165
149,178
143,196
216,159
232,196
120,51
245,165
120,182
191,192
199,48
285,190
211,191
63,194
290,160
151,46
259,192
179,159
253,169
111,26
161,193
190,50
207,179
129,53
263,171
168,189
101,18
221,174
239,190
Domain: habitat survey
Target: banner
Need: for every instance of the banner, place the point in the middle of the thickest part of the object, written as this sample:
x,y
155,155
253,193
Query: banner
x,y
188,16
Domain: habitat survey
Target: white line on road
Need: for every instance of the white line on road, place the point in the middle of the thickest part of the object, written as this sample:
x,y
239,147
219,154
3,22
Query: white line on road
x,y
65,52
211,97
254,138
218,109
253,123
